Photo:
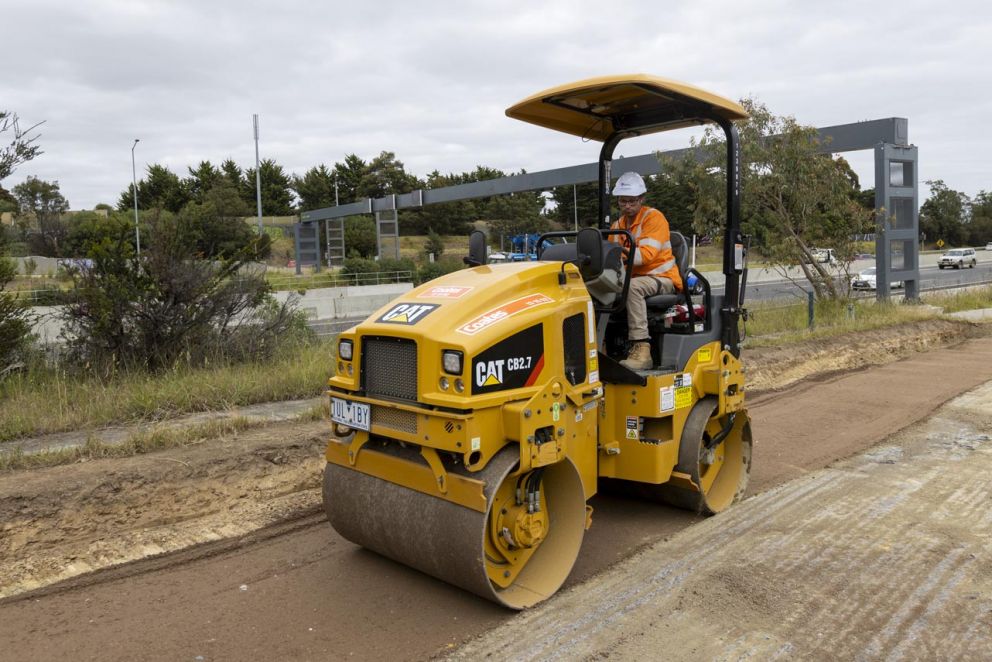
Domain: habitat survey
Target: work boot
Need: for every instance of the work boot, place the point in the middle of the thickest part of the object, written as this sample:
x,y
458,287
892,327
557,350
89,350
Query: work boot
x,y
639,357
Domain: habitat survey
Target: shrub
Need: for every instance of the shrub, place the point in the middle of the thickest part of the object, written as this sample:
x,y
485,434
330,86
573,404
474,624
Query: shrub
x,y
168,306
356,267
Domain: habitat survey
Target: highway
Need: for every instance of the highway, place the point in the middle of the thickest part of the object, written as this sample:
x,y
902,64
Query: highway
x,y
764,283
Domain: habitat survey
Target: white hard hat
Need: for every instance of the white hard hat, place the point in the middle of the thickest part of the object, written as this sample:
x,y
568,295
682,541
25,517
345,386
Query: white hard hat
x,y
630,183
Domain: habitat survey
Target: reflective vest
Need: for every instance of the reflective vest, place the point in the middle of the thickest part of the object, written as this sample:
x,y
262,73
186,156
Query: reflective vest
x,y
653,256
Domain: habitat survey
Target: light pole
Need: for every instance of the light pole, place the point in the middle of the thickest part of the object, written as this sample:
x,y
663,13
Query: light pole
x,y
134,184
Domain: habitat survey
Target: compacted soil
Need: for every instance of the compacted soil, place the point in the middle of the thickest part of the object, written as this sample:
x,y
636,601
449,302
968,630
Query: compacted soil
x,y
220,551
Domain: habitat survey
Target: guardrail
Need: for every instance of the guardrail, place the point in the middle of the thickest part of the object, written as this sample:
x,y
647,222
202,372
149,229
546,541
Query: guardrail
x,y
314,281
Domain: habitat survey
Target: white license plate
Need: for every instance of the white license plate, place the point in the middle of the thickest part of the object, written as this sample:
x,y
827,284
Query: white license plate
x,y
353,414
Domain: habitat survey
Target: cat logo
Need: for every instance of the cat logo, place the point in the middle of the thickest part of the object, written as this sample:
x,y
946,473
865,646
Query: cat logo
x,y
489,373
408,313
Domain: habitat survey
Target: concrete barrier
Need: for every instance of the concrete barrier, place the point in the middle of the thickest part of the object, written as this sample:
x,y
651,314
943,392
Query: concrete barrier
x,y
320,305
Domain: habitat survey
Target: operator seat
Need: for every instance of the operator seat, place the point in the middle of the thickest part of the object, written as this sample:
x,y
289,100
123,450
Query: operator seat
x,y
659,303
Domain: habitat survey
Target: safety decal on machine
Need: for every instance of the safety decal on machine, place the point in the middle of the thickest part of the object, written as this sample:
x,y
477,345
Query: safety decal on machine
x,y
444,292
487,319
683,397
594,376
683,379
555,412
705,354
667,398
511,363
408,313
632,427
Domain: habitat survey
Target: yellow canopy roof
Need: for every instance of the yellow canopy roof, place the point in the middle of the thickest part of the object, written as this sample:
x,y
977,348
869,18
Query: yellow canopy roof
x,y
595,108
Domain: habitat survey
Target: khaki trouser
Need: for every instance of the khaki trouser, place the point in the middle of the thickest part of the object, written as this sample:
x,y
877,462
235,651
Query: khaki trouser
x,y
642,287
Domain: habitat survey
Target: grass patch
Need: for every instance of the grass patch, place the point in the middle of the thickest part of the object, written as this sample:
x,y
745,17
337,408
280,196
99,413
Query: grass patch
x,y
42,402
968,299
774,323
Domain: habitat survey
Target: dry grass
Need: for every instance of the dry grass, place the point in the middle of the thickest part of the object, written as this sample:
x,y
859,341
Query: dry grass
x,y
775,324
43,402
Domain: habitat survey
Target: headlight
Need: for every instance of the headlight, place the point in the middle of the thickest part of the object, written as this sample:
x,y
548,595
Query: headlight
x,y
344,349
451,361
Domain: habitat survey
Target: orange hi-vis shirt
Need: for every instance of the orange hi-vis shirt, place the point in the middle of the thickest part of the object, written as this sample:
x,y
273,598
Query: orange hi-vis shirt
x,y
653,256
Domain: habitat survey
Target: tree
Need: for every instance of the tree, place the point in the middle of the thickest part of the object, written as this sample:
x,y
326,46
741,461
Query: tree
x,y
943,215
315,189
434,245
349,176
162,189
277,198
565,197
360,237
22,147
168,306
44,203
217,228
795,197
201,180
15,317
673,196
447,218
385,175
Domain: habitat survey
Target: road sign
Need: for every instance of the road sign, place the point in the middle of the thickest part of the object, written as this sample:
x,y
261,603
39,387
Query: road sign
x,y
940,243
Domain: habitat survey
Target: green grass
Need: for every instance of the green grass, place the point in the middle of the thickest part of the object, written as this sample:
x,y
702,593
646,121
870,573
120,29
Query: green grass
x,y
775,324
969,299
43,402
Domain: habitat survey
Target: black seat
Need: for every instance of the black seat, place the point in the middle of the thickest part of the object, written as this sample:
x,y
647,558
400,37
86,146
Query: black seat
x,y
680,251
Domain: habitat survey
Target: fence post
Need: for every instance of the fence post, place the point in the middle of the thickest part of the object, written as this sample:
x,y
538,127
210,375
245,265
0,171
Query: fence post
x,y
810,298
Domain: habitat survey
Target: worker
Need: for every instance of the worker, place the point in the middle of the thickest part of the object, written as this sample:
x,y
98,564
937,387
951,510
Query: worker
x,y
654,269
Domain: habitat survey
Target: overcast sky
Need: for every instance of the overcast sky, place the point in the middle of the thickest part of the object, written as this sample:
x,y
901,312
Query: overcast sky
x,y
430,80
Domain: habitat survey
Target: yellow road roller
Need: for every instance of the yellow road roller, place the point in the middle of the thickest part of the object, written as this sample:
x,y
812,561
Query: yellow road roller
x,y
476,415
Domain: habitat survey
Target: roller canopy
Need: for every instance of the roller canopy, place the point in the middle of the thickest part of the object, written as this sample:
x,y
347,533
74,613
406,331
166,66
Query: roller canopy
x,y
596,108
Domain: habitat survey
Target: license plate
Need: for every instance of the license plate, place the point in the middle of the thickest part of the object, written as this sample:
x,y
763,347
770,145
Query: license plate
x,y
353,414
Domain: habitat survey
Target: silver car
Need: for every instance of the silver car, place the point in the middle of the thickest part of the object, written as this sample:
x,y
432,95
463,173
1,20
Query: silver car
x,y
958,258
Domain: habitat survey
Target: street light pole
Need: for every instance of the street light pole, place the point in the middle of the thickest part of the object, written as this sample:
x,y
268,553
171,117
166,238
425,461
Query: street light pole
x,y
134,184
258,176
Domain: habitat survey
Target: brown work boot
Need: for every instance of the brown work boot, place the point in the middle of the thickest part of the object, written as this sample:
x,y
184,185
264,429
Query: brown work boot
x,y
639,357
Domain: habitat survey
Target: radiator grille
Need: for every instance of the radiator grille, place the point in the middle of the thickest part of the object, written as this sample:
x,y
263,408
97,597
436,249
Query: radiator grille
x,y
396,419
389,367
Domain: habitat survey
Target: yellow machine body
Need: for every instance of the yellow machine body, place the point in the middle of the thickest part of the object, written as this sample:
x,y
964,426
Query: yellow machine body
x,y
477,414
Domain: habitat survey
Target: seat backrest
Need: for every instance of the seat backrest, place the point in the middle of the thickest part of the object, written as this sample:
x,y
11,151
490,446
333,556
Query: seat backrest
x,y
681,252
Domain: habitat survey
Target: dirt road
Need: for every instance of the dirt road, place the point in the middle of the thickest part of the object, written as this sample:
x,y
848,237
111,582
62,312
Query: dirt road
x,y
297,591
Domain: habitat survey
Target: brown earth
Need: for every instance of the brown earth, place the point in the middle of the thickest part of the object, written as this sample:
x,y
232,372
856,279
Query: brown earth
x,y
293,589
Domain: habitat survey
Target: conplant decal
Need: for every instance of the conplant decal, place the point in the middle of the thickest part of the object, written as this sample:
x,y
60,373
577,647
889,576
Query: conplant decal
x,y
495,315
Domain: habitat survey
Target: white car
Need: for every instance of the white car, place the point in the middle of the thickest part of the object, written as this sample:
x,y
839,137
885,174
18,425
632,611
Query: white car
x,y
988,246
867,280
824,255
958,258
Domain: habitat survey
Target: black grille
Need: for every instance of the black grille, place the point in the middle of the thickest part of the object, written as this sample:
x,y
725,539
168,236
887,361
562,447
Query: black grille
x,y
389,367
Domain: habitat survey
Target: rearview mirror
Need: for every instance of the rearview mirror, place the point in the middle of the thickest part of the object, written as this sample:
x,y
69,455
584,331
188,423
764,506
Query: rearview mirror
x,y
589,246
476,249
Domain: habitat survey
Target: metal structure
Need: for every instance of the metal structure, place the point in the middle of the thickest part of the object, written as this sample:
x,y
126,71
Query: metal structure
x,y
896,191
306,238
134,184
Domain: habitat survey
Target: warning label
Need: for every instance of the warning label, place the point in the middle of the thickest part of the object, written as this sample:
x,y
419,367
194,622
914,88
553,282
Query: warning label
x,y
683,397
632,427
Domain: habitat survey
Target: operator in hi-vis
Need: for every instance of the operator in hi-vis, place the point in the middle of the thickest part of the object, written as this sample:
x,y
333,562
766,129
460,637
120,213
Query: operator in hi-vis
x,y
654,269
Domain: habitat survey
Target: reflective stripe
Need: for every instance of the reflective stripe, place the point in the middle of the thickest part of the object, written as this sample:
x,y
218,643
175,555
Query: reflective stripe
x,y
667,245
638,260
655,243
665,266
